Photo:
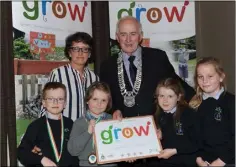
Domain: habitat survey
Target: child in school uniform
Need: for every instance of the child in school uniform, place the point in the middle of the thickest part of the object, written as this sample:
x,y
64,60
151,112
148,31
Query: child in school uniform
x,y
216,110
45,140
81,144
177,126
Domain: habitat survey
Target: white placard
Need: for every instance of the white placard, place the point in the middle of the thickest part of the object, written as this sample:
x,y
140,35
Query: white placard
x,y
134,137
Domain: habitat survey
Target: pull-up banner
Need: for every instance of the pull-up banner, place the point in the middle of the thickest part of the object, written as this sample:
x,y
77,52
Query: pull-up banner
x,y
60,18
162,21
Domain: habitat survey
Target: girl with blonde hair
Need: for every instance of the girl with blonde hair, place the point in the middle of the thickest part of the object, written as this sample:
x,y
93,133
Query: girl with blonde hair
x,y
216,110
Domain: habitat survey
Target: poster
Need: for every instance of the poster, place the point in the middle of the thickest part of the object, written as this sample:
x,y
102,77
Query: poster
x,y
118,140
42,44
169,26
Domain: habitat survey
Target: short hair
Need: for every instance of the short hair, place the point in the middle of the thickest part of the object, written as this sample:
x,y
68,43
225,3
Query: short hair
x,y
53,85
77,37
128,18
102,86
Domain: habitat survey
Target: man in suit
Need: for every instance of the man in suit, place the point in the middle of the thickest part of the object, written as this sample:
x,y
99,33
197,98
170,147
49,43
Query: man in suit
x,y
134,73
152,65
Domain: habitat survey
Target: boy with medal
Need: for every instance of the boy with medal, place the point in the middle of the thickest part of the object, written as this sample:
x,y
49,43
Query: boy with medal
x,y
81,142
50,133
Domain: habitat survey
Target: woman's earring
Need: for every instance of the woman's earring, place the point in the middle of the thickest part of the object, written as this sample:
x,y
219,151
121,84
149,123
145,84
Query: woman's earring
x,y
89,55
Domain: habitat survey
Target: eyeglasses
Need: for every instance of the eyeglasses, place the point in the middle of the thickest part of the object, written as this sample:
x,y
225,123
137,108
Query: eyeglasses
x,y
78,49
52,100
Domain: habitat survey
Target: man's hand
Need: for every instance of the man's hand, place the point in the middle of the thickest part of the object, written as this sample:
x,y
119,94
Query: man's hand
x,y
37,150
200,162
47,162
217,162
117,115
167,153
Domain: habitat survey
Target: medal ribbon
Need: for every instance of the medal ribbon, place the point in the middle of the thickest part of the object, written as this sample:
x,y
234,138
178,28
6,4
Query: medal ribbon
x,y
99,119
52,140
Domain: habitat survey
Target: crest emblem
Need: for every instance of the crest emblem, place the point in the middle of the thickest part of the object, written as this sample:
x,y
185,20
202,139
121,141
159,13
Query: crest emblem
x,y
217,114
179,128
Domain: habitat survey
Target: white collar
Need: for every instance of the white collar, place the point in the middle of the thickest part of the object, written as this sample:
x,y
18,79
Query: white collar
x,y
137,53
217,96
51,116
171,111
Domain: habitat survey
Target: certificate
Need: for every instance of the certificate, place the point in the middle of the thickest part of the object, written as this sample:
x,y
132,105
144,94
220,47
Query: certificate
x,y
134,137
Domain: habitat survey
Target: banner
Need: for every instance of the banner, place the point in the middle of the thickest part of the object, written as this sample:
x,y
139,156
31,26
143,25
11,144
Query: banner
x,y
53,17
161,21
169,26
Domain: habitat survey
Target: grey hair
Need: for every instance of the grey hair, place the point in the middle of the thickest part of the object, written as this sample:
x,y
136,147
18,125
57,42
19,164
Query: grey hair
x,y
128,18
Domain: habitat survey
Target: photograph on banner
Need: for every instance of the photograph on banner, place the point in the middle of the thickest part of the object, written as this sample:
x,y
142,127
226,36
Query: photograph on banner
x,y
169,26
118,140
39,32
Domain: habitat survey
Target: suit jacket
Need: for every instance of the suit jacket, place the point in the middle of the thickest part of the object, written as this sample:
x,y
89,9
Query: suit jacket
x,y
155,67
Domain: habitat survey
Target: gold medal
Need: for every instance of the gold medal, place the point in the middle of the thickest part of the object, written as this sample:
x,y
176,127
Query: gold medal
x,y
92,159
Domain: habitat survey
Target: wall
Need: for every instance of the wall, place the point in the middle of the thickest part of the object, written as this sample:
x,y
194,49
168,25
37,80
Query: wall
x,y
215,29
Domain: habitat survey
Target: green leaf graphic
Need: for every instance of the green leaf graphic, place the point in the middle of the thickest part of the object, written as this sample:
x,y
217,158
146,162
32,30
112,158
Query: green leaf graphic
x,y
132,4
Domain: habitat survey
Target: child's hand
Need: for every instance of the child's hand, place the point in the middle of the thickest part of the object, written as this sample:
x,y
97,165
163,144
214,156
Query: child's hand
x,y
200,162
47,162
37,150
167,153
217,162
91,126
159,134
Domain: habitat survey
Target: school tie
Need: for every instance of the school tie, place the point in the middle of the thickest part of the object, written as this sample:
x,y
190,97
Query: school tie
x,y
132,69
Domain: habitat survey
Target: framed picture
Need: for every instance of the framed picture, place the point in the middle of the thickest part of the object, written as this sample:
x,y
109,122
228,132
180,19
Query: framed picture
x,y
134,137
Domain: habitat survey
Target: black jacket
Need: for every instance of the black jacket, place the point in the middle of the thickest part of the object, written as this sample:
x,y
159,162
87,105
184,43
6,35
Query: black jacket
x,y
155,67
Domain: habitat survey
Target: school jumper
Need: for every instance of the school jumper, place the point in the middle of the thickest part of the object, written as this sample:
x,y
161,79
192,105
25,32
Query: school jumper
x,y
81,142
182,135
37,135
217,121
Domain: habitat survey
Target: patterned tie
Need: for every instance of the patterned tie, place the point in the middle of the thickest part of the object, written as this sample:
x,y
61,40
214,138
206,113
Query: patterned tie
x,y
132,68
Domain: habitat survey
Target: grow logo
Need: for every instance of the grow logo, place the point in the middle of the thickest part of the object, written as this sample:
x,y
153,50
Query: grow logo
x,y
59,9
154,14
111,134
